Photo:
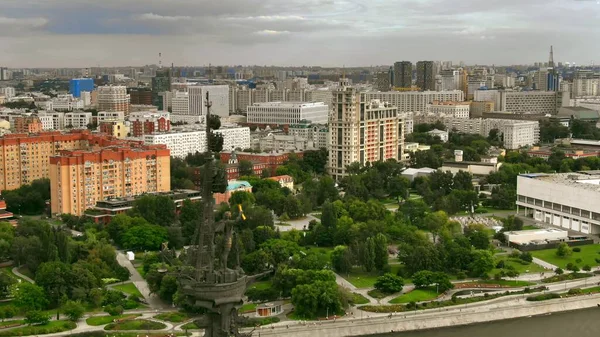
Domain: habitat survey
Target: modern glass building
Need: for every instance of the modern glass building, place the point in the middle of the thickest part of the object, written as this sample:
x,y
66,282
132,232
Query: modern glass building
x,y
77,85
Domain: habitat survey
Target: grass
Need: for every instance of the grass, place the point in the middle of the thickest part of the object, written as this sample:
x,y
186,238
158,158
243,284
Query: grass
x,y
362,279
189,326
320,250
8,271
378,294
417,295
9,324
51,327
517,265
128,288
262,285
588,256
508,283
140,269
25,271
138,324
101,320
248,307
357,299
173,317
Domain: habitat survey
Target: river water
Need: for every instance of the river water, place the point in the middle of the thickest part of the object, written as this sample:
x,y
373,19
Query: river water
x,y
580,323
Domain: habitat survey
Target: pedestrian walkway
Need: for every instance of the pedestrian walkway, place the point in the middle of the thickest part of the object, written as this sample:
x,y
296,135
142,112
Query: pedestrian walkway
x,y
544,264
351,287
153,301
26,278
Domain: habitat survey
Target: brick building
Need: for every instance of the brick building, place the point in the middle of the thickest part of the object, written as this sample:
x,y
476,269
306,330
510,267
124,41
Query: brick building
x,y
260,161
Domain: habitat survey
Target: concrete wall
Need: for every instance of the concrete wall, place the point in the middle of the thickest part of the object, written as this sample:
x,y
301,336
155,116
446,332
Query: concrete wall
x,y
422,320
530,248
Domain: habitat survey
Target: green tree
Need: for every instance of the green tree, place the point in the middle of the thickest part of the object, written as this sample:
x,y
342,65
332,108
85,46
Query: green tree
x,y
36,317
190,218
398,187
479,239
144,237
389,283
341,259
368,255
73,310
483,263
7,311
381,252
156,209
55,277
245,168
241,197
30,297
422,279
292,207
316,299
563,250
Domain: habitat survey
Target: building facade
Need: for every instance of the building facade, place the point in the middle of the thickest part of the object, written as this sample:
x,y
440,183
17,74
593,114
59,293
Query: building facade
x,y
426,75
77,85
113,98
286,113
218,95
402,74
362,130
79,179
566,200
148,122
414,101
450,109
77,120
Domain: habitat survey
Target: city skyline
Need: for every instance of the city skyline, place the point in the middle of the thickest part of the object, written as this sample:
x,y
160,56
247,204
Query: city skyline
x,y
78,33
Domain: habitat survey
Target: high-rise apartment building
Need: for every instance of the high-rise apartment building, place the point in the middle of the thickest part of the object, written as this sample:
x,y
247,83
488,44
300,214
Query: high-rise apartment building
x,y
113,98
402,74
362,130
449,79
80,178
218,95
77,85
426,75
383,81
160,83
140,96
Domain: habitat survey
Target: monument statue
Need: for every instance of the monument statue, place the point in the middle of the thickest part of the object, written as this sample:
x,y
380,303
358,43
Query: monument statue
x,y
206,280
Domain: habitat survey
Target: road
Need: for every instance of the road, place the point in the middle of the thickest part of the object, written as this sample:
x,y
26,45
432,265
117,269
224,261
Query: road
x,y
26,278
153,301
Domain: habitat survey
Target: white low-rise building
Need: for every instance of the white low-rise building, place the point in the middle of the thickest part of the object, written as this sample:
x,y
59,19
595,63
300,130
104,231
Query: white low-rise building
x,y
8,92
450,109
66,103
566,200
104,116
78,120
182,143
439,133
47,122
540,236
286,113
58,119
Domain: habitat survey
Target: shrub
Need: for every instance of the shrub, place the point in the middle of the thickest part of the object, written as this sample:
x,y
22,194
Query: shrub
x,y
268,294
36,317
500,264
114,310
578,260
526,257
575,291
587,267
543,297
515,254
389,283
461,275
576,249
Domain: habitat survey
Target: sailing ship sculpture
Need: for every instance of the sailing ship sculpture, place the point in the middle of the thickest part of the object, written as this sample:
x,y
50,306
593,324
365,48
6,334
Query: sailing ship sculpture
x,y
206,280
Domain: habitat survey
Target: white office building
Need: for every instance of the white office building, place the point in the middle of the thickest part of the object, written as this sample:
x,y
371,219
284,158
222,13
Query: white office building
x,y
8,92
78,120
566,200
47,122
180,103
104,116
285,113
415,101
524,102
182,143
58,119
517,133
450,109
218,95
66,102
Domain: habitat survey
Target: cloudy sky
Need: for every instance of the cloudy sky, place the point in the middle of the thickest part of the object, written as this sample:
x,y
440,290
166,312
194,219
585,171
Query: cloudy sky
x,y
84,33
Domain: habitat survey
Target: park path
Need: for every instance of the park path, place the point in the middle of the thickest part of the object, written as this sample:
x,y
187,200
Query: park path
x,y
544,264
363,291
26,278
153,301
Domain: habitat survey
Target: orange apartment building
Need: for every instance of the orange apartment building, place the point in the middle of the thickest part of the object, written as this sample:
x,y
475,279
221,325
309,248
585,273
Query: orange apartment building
x,y
80,178
28,125
26,157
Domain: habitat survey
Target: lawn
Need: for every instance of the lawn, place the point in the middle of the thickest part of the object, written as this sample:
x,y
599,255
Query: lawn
x,y
140,270
189,326
8,271
508,283
51,327
320,250
138,324
9,324
101,320
417,295
357,299
248,307
517,265
588,256
362,279
128,288
261,285
173,317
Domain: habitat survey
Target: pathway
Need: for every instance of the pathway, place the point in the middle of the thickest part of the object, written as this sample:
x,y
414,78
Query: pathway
x,y
346,284
153,301
26,278
299,224
544,264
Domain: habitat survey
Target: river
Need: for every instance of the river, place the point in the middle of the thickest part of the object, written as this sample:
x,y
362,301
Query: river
x,y
580,323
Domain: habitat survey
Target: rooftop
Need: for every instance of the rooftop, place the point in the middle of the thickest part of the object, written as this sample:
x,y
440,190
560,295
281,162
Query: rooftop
x,y
237,184
589,180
